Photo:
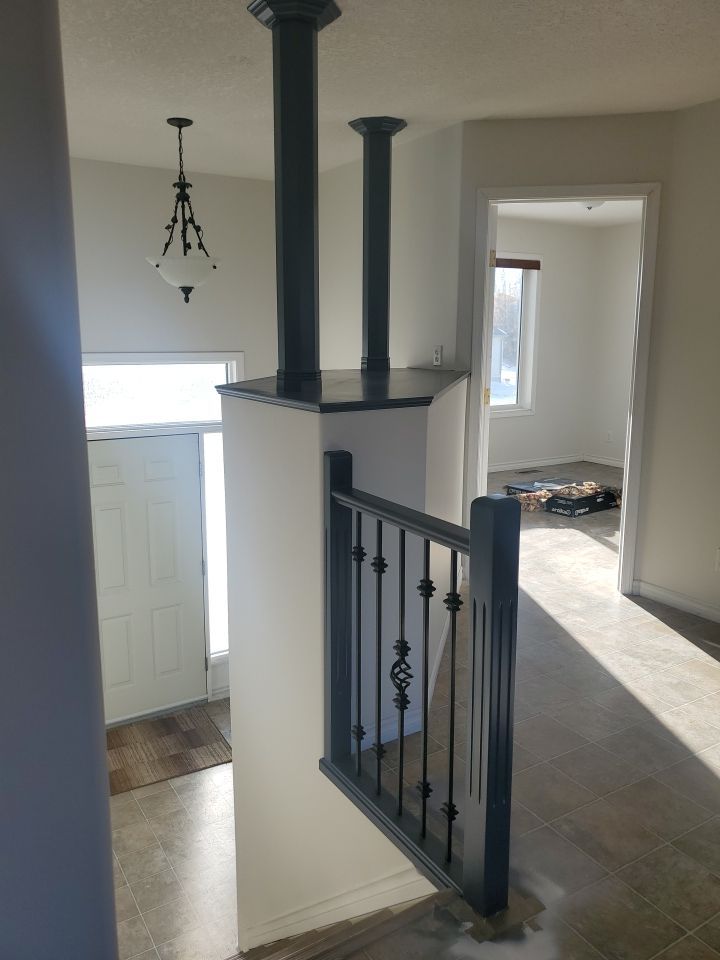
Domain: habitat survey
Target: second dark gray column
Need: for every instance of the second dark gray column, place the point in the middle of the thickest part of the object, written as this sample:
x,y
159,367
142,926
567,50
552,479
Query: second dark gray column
x,y
377,133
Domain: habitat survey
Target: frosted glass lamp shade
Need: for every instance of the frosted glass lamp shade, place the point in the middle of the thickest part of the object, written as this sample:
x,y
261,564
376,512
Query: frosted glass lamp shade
x,y
191,271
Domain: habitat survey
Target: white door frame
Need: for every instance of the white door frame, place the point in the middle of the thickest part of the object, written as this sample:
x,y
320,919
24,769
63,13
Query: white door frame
x,y
478,412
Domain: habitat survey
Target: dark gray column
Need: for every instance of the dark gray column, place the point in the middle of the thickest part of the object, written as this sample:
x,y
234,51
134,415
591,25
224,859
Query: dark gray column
x,y
295,25
377,133
56,890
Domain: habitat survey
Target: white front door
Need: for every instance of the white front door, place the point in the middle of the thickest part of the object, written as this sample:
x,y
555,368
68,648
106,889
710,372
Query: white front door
x,y
147,529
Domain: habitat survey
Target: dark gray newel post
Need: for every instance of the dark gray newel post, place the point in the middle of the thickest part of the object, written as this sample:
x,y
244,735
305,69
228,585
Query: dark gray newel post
x,y
295,25
494,548
377,133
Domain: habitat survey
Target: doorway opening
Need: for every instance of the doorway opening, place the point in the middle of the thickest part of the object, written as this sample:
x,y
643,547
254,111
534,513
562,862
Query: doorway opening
x,y
564,312
610,205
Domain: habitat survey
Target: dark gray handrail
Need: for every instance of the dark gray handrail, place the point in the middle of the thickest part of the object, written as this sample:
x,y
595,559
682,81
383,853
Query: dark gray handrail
x,y
413,521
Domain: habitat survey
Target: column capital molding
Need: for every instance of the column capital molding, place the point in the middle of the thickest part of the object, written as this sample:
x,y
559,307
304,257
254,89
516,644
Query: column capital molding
x,y
390,125
318,12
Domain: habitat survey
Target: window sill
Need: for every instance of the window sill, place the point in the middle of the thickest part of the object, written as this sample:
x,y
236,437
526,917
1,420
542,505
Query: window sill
x,y
501,412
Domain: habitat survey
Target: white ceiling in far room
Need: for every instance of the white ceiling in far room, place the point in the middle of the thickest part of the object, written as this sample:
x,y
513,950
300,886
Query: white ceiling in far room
x,y
612,213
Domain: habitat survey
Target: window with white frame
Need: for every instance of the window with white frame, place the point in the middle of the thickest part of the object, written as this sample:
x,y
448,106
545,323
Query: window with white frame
x,y
513,334
127,389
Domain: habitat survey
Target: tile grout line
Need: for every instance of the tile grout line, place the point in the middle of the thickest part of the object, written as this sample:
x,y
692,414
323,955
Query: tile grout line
x,y
615,873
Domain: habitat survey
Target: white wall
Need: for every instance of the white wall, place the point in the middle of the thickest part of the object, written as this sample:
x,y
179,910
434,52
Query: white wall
x,y
554,430
584,342
611,341
120,213
325,860
313,857
676,547
424,255
121,210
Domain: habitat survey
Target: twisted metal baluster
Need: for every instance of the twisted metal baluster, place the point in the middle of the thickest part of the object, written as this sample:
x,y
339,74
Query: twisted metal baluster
x,y
400,673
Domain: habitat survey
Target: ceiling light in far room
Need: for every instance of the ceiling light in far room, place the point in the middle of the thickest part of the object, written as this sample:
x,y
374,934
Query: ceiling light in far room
x,y
190,267
591,204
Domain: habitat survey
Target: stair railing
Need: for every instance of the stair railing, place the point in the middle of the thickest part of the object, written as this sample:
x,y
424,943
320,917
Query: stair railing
x,y
465,843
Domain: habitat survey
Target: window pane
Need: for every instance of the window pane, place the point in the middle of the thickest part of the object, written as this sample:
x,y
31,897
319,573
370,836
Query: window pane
x,y
507,319
216,542
136,393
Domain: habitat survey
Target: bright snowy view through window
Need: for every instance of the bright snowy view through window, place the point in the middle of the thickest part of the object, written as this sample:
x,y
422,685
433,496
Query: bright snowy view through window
x,y
129,393
507,331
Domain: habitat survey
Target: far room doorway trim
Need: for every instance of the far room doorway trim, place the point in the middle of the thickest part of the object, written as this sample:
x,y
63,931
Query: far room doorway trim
x,y
488,199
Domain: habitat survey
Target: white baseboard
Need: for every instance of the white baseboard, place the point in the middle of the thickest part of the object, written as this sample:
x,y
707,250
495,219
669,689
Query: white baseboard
x,y
219,679
551,461
678,600
606,461
407,884
526,464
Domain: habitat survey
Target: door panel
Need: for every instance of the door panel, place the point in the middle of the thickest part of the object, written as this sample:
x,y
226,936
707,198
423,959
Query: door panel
x,y
147,530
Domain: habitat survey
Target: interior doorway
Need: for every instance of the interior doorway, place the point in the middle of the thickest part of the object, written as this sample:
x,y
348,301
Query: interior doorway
x,y
521,419
559,368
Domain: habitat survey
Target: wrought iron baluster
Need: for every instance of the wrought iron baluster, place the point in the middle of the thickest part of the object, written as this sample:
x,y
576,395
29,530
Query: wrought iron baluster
x,y
453,603
400,673
358,555
426,588
379,565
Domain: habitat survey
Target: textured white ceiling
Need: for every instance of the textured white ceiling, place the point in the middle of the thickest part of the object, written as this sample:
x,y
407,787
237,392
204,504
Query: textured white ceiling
x,y
129,64
612,213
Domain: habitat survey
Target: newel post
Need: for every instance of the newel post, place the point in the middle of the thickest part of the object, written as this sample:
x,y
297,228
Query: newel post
x,y
494,549
338,607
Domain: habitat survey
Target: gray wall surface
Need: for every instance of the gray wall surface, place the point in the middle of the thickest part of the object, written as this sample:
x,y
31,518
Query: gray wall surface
x,y
56,896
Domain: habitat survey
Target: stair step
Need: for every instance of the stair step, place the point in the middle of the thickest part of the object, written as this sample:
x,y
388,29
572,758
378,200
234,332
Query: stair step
x,y
341,940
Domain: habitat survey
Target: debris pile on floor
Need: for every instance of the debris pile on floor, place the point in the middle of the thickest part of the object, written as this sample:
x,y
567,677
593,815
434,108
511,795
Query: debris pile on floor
x,y
564,496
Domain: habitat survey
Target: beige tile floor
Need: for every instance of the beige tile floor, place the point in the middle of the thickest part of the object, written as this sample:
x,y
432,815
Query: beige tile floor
x,y
616,812
616,809
174,863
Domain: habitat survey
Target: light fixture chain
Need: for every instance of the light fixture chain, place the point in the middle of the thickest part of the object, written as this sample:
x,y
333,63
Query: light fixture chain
x,y
181,170
198,230
171,228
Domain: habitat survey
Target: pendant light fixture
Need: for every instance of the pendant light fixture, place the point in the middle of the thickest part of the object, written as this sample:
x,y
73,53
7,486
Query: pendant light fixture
x,y
191,266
